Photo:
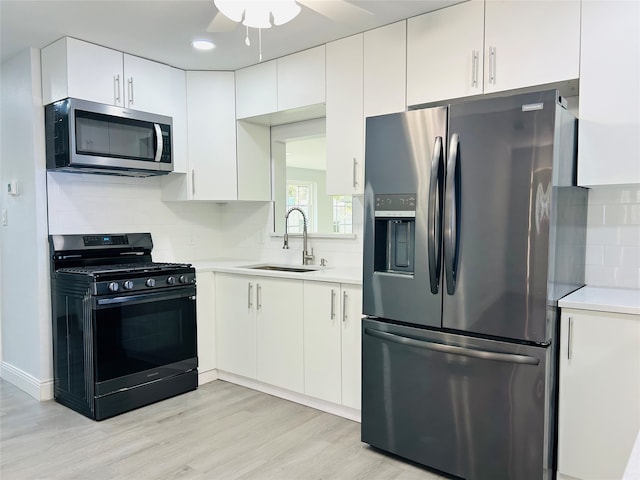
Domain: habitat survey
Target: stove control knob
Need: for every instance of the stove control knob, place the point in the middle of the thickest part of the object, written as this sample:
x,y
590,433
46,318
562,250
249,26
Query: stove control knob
x,y
128,285
151,282
171,280
183,279
113,286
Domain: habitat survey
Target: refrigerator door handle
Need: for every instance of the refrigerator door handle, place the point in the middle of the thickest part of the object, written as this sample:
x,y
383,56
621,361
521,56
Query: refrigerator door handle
x,y
454,350
451,214
435,215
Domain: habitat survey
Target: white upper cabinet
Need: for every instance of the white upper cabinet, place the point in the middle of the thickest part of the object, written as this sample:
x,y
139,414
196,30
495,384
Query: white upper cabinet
x,y
211,168
147,85
608,145
211,134
254,161
345,126
73,68
483,47
301,79
385,69
178,95
444,53
530,43
257,90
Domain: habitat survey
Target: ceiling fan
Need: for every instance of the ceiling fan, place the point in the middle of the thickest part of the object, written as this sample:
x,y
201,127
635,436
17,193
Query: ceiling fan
x,y
337,10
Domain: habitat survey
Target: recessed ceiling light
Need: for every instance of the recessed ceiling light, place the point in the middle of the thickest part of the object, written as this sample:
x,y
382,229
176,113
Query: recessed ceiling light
x,y
202,44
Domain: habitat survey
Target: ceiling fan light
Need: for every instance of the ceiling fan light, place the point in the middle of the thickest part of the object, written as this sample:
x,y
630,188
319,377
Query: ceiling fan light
x,y
231,9
285,11
257,15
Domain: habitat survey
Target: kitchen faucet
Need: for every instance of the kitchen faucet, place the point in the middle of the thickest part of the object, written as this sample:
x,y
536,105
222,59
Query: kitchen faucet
x,y
306,256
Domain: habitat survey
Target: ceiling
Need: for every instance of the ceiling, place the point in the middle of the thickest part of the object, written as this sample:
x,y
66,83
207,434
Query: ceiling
x,y
163,30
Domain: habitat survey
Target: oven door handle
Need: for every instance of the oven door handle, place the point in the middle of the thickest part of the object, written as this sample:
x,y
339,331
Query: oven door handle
x,y
147,297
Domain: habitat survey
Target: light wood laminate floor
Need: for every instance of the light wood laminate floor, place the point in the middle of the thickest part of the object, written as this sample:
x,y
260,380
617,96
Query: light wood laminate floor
x,y
220,431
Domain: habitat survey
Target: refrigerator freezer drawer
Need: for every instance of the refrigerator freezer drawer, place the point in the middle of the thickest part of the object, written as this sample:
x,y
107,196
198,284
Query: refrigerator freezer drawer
x,y
470,407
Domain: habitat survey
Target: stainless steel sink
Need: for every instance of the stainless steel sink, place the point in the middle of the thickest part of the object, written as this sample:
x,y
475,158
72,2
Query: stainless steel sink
x,y
282,268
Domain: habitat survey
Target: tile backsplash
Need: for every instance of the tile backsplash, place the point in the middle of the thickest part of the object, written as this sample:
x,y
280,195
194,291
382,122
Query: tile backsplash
x,y
84,203
196,231
613,237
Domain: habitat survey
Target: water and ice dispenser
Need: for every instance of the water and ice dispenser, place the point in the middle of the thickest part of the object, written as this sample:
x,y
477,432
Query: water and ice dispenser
x,y
395,220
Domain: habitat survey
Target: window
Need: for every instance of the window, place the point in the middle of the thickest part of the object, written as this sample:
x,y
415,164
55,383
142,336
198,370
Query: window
x,y
342,214
300,194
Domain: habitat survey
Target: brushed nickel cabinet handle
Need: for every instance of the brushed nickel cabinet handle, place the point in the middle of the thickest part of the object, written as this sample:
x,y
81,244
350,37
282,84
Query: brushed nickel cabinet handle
x,y
116,89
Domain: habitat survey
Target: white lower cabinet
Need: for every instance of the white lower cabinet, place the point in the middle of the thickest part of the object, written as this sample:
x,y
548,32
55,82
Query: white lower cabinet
x,y
259,329
279,333
599,404
206,318
236,324
332,322
302,336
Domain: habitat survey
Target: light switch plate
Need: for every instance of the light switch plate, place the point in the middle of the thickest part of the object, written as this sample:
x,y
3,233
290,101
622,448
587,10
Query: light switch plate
x,y
5,219
12,187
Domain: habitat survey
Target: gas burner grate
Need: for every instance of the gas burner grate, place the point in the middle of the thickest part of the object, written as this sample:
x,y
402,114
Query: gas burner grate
x,y
123,268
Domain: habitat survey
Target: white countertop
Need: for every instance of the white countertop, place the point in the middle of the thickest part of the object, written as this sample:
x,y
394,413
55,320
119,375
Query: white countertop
x,y
615,300
351,275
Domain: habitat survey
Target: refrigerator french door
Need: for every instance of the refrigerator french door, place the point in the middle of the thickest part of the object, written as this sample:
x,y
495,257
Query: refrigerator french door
x,y
473,230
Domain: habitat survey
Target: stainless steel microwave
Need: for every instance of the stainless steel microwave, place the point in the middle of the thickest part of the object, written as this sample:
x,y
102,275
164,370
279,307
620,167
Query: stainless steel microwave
x,y
88,137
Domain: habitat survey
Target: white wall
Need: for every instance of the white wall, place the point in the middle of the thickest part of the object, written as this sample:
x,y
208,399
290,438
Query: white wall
x,y
26,324
613,237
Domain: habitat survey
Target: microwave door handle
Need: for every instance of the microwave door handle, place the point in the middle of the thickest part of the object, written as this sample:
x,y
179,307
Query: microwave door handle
x,y
434,216
159,142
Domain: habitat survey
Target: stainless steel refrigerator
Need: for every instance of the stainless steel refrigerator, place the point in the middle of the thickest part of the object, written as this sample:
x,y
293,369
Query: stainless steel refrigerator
x,y
473,230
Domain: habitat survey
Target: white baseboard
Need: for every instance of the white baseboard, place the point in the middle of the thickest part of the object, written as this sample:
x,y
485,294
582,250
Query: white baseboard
x,y
329,407
40,390
208,376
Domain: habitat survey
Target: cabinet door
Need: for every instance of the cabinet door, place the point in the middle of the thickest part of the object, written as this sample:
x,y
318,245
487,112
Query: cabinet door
x,y
256,90
301,79
254,161
72,68
212,133
351,305
345,122
608,146
385,69
444,53
599,409
279,333
206,317
322,346
178,94
148,85
236,324
530,43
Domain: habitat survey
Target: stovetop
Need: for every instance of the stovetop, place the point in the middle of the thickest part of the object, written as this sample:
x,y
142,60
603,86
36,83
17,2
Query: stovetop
x,y
124,268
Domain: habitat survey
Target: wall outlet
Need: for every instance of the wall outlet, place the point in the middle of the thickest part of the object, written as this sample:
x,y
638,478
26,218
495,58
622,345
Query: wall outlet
x,y
5,218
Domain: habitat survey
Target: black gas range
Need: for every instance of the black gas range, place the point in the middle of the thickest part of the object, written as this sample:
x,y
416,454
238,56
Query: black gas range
x,y
124,327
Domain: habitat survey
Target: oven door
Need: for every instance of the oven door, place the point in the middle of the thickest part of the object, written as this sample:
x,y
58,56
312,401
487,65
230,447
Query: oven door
x,y
143,337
